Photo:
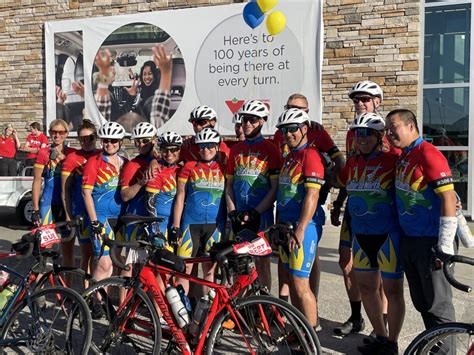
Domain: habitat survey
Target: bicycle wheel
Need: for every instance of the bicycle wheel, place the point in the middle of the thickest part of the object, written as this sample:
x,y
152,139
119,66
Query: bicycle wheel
x,y
133,328
50,321
269,325
63,276
449,338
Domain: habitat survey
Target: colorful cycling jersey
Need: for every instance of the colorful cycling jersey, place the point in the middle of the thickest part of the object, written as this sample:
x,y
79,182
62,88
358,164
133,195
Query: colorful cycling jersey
x,y
302,168
190,151
74,165
252,164
352,150
422,172
131,173
162,191
103,179
51,195
317,137
205,182
370,185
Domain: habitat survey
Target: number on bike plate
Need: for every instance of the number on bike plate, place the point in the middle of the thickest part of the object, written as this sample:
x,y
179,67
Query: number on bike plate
x,y
257,247
48,236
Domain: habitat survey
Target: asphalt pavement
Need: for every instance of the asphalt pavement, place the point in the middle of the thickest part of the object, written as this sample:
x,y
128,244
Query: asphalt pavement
x,y
333,303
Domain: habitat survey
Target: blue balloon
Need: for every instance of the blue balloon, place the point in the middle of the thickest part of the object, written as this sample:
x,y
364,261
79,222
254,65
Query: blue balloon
x,y
253,16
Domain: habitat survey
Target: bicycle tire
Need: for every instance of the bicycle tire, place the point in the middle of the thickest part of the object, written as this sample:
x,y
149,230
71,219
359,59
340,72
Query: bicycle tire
x,y
271,325
111,333
440,340
50,321
78,278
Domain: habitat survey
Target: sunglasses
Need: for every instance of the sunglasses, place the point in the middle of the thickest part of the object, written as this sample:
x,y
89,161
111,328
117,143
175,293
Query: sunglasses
x,y
112,141
208,146
287,107
363,99
169,149
144,141
363,132
250,119
59,133
290,129
87,139
201,123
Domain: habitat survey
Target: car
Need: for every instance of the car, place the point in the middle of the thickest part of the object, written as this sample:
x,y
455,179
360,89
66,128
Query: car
x,y
15,193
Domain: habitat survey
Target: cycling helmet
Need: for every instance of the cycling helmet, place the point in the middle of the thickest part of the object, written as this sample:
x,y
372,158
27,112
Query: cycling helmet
x,y
368,120
111,130
171,138
143,130
208,135
203,112
292,116
366,87
236,118
254,108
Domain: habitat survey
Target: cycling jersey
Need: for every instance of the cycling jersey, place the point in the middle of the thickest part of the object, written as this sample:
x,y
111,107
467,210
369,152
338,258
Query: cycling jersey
x,y
422,172
204,203
131,173
252,164
51,195
371,193
302,168
190,151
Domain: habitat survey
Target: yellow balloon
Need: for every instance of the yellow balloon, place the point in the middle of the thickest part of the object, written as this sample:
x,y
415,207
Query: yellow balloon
x,y
276,22
266,5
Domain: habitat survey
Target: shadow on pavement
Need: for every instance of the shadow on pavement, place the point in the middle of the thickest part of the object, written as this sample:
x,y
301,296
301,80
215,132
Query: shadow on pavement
x,y
332,343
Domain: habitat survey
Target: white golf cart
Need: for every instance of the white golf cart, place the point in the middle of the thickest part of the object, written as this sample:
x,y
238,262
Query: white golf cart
x,y
15,192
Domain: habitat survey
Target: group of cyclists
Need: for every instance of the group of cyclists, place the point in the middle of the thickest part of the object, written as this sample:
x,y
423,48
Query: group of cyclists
x,y
399,190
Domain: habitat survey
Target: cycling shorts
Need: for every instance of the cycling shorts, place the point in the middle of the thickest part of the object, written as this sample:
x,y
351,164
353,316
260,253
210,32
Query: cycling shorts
x,y
51,214
378,252
84,232
300,261
112,229
198,239
346,231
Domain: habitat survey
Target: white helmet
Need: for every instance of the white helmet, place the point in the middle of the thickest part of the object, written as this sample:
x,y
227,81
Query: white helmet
x,y
144,130
111,130
171,138
202,112
368,120
366,87
292,116
254,108
236,118
208,135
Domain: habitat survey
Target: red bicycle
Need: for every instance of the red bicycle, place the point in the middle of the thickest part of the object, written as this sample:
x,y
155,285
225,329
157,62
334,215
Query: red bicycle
x,y
258,324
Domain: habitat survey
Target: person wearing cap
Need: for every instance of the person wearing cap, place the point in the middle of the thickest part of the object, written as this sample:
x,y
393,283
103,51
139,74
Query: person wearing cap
x,y
35,141
369,178
299,182
9,143
202,117
199,211
252,180
101,193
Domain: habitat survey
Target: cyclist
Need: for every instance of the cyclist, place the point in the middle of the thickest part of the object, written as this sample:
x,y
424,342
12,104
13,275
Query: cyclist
x,y
200,206
369,179
132,178
239,131
426,204
162,189
101,193
299,183
47,205
367,97
252,174
71,194
202,117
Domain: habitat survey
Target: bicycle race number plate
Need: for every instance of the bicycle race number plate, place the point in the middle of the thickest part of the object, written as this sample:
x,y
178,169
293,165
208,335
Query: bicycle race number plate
x,y
48,236
257,247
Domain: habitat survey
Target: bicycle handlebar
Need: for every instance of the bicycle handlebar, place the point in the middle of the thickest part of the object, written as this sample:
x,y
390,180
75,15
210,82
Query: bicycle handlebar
x,y
448,271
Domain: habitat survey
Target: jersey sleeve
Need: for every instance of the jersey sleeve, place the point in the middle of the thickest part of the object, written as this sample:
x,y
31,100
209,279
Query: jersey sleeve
x,y
69,165
90,173
128,173
230,168
44,140
313,169
185,172
324,143
153,186
42,158
274,161
343,174
437,171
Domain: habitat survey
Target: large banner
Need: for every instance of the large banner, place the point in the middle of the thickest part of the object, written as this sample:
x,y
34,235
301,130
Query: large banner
x,y
215,58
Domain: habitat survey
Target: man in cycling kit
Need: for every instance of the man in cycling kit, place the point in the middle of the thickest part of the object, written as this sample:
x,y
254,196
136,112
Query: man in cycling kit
x,y
252,180
299,183
426,204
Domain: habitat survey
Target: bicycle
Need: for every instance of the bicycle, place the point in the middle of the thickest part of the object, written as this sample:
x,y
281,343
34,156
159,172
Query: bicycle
x,y
49,320
448,338
260,322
